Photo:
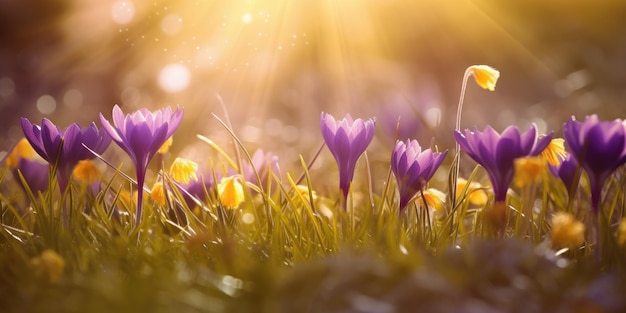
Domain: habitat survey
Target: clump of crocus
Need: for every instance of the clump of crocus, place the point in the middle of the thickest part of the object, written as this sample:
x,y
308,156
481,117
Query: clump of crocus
x,y
65,148
346,139
413,168
230,191
141,135
497,152
567,232
599,147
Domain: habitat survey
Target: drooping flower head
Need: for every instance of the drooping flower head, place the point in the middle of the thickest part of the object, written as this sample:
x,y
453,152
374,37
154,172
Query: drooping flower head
x,y
599,147
413,168
183,170
47,138
497,152
230,191
346,139
141,134
485,76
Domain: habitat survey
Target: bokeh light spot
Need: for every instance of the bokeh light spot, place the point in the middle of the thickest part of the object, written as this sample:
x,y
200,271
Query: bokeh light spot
x,y
131,96
433,116
247,18
73,99
46,104
174,78
290,134
122,12
7,87
171,24
247,218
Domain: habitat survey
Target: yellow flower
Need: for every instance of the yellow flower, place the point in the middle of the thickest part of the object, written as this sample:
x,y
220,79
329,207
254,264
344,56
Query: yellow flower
x,y
554,153
567,232
486,76
230,191
48,266
434,199
621,233
124,199
166,146
475,193
303,191
127,200
183,170
157,194
86,171
528,170
22,150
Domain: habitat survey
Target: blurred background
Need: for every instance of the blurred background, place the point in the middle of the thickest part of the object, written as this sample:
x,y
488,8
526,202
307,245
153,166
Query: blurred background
x,y
277,64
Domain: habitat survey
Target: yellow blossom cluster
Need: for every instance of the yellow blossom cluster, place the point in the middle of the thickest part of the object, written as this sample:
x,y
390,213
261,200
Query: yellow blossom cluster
x,y
567,232
48,266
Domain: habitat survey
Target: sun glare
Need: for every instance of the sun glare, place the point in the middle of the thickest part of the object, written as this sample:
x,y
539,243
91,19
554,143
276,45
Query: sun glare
x,y
122,12
279,59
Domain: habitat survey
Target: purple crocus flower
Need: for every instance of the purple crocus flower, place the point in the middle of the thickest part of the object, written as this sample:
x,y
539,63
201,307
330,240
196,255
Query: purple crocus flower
x,y
599,147
567,172
265,165
497,152
35,175
141,134
346,139
199,188
413,168
47,138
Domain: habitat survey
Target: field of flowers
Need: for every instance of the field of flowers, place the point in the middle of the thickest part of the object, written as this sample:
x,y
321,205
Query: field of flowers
x,y
544,232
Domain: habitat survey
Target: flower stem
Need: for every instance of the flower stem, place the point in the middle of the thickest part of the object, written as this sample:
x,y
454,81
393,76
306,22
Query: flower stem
x,y
141,177
457,147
